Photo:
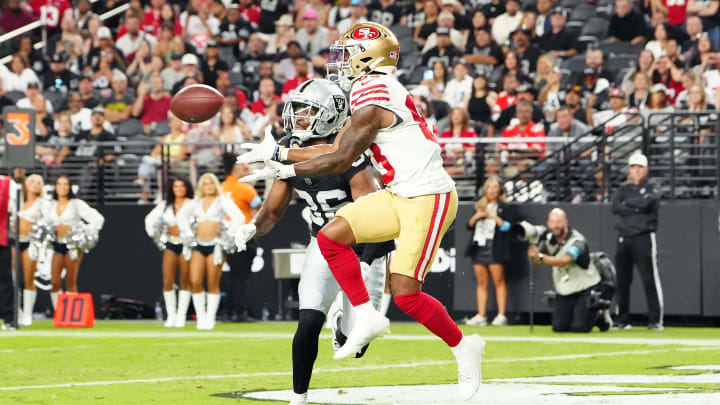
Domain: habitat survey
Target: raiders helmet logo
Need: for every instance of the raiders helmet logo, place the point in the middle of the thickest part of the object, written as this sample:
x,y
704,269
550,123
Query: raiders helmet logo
x,y
365,33
339,103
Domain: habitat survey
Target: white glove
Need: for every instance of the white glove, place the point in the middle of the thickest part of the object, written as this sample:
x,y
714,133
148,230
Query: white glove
x,y
272,170
243,234
268,149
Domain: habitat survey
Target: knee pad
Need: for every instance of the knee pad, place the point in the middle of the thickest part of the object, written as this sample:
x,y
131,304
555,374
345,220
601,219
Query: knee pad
x,y
310,322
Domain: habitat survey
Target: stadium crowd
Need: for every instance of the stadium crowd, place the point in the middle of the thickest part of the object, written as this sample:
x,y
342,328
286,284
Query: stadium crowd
x,y
477,68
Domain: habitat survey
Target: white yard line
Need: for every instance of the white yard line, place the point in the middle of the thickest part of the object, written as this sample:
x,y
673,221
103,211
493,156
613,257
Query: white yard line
x,y
83,347
272,335
340,369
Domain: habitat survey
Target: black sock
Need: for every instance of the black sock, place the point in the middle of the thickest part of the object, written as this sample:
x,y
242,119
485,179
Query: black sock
x,y
305,348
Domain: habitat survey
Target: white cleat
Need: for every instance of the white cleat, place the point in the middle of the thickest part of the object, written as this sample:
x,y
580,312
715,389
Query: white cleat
x,y
469,359
25,319
298,399
170,322
369,325
179,322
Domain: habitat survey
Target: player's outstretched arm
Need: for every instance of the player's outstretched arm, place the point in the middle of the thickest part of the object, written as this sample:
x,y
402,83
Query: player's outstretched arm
x,y
309,152
357,138
274,207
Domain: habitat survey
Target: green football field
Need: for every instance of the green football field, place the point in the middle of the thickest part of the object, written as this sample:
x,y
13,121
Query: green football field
x,y
143,363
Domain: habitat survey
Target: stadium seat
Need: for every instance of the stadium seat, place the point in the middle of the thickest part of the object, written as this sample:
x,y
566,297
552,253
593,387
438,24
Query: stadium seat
x,y
619,62
408,45
442,109
130,128
570,3
576,64
402,31
574,27
56,98
161,128
596,27
619,48
410,59
14,96
583,12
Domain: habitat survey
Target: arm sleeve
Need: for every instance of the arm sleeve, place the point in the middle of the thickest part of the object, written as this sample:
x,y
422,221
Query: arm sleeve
x,y
580,253
255,201
153,218
90,215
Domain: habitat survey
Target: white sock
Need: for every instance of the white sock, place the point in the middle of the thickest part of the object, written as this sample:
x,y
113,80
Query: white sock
x,y
385,303
213,302
198,300
29,297
53,298
170,305
183,304
460,348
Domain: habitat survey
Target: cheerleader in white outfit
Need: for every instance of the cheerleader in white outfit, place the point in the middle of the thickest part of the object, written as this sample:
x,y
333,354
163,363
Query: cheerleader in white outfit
x,y
161,224
66,214
203,225
32,208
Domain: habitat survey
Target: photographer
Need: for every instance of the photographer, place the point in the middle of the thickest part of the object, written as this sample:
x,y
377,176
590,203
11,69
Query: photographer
x,y
575,276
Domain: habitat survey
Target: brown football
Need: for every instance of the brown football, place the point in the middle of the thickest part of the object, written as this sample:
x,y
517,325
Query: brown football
x,y
196,103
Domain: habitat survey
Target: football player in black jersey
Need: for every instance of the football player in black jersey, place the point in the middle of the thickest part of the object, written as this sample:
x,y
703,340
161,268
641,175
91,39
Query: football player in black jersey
x,y
313,115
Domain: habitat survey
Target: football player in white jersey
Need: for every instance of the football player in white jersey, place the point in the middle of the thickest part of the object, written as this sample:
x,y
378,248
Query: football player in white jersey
x,y
313,115
416,208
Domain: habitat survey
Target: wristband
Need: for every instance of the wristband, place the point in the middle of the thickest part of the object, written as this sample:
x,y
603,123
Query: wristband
x,y
287,171
283,153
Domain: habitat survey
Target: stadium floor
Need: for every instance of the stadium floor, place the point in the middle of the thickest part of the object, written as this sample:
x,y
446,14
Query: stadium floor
x,y
138,363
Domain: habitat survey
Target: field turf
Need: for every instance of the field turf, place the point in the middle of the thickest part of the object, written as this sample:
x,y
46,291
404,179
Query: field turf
x,y
144,363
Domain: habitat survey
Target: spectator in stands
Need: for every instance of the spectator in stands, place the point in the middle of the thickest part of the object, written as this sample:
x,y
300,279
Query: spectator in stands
x,y
252,57
338,12
550,94
527,54
594,59
90,153
483,53
414,14
103,43
573,101
190,68
480,101
173,73
204,154
595,89
58,78
434,86
659,103
689,79
108,65
285,69
525,92
544,16
708,12
231,131
430,25
160,12
700,55
34,99
507,22
14,16
493,9
118,107
566,126
212,64
87,94
150,163
83,13
68,40
358,12
644,64
456,8
457,155
627,24
268,100
201,27
545,65
271,11
36,58
528,23
506,97
427,111
4,100
57,148
525,128
657,45
558,41
614,116
80,115
152,103
284,34
674,11
457,38
312,37
479,20
460,87
18,76
139,69
129,43
665,72
445,51
301,75
638,99
511,66
234,30
489,248
385,12
693,28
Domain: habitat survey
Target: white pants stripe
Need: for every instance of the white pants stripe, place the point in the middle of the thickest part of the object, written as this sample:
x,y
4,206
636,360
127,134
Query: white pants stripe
x,y
656,276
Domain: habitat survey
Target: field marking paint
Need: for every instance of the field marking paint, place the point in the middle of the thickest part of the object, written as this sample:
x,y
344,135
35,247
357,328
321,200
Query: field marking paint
x,y
368,367
531,339
83,347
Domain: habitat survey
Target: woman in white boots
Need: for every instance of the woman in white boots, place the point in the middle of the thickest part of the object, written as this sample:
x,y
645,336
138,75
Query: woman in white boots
x,y
161,224
68,215
204,228
32,209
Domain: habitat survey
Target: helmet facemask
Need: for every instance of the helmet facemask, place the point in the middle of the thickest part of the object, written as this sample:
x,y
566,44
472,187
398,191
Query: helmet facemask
x,y
310,113
338,65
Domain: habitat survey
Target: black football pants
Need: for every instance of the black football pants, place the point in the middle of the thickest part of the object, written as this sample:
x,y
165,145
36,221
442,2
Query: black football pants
x,y
571,313
638,251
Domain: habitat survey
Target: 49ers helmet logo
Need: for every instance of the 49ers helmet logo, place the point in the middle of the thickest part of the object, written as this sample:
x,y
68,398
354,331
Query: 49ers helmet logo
x,y
365,33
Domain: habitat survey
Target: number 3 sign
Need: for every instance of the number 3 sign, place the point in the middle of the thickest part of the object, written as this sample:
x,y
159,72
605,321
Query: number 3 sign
x,y
19,136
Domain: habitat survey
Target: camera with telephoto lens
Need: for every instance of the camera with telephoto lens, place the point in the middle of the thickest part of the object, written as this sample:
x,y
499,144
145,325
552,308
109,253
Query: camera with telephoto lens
x,y
527,232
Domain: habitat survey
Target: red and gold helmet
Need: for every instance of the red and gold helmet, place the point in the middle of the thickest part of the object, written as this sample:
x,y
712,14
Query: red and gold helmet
x,y
363,48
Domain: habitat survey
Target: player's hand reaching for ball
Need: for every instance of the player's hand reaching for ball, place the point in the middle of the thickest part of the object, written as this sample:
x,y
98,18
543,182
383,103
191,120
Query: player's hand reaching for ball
x,y
243,234
272,170
268,149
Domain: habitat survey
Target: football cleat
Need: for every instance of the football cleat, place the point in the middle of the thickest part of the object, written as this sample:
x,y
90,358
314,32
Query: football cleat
x,y
469,360
368,326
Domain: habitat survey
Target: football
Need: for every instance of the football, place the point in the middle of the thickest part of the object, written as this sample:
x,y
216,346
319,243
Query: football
x,y
196,103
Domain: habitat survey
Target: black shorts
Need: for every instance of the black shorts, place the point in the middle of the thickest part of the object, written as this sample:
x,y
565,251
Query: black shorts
x,y
482,255
176,248
60,248
204,250
24,246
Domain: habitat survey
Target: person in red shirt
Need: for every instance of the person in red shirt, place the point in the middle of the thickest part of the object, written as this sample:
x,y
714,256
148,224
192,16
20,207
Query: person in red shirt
x,y
455,155
301,68
268,99
250,11
152,103
524,128
507,96
15,16
50,11
675,10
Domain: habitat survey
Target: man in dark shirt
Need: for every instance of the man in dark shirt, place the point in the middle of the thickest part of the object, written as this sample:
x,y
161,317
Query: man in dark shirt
x,y
87,93
573,101
627,24
270,11
384,12
212,64
58,78
252,57
558,41
4,101
483,53
527,54
88,147
235,30
444,52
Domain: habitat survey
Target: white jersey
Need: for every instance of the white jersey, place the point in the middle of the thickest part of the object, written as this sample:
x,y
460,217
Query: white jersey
x,y
406,154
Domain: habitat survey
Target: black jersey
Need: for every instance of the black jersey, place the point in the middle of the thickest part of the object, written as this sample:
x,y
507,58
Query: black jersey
x,y
325,195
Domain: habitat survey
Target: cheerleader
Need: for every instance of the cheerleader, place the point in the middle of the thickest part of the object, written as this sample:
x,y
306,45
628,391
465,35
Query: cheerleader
x,y
33,206
66,214
202,225
161,224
